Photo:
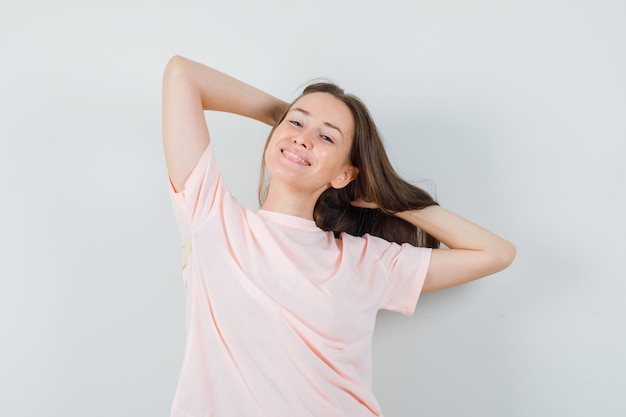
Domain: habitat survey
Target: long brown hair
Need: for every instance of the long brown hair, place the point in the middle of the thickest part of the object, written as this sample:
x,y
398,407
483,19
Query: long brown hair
x,y
377,182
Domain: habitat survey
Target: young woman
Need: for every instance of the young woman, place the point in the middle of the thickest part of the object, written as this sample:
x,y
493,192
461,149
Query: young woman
x,y
282,301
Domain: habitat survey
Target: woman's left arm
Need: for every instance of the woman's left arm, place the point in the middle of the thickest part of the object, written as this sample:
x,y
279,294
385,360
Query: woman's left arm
x,y
474,252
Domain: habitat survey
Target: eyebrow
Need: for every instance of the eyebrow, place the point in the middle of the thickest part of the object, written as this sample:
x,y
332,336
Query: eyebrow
x,y
298,109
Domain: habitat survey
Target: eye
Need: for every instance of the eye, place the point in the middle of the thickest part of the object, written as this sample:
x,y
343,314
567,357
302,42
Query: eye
x,y
327,138
295,123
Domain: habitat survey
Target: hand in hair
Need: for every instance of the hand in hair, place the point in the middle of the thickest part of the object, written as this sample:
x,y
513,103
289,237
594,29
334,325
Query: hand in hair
x,y
359,202
190,88
473,252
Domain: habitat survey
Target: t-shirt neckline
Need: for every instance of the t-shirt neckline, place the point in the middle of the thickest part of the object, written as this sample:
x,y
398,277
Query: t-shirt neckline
x,y
288,220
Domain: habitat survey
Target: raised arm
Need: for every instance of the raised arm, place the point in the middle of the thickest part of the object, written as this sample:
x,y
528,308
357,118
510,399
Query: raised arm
x,y
189,88
474,252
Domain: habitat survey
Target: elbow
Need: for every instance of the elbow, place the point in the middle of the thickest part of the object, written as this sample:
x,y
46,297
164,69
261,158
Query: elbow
x,y
175,68
505,255
175,62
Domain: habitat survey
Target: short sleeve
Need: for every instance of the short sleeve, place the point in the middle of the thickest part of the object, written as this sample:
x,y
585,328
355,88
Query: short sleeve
x,y
407,267
202,191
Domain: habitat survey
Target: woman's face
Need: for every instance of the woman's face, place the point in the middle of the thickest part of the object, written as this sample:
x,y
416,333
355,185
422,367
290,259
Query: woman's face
x,y
310,148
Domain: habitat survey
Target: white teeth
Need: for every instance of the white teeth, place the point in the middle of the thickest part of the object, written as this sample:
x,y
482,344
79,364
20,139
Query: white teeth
x,y
296,157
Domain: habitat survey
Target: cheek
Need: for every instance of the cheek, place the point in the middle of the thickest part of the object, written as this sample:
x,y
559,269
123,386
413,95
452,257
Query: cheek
x,y
271,144
333,162
334,156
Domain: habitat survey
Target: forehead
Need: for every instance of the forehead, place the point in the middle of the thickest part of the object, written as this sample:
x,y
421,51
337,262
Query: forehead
x,y
328,109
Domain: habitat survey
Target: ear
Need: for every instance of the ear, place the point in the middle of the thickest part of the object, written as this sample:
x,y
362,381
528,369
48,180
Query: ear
x,y
348,173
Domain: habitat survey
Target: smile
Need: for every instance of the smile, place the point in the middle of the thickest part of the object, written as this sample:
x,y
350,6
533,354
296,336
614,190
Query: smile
x,y
292,156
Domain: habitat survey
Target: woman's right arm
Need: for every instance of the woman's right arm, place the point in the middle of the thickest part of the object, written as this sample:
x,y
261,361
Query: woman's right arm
x,y
190,88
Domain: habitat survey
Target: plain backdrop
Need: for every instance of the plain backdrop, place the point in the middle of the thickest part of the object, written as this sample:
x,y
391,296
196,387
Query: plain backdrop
x,y
512,112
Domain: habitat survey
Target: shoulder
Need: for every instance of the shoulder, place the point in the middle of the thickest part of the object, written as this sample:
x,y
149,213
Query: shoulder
x,y
371,248
366,239
368,244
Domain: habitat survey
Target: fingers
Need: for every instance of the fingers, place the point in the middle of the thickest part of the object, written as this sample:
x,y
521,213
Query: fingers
x,y
359,202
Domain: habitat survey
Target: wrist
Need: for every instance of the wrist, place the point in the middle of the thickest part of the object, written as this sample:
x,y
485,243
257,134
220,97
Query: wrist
x,y
276,112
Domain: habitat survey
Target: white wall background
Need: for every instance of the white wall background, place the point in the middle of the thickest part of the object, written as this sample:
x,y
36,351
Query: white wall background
x,y
515,110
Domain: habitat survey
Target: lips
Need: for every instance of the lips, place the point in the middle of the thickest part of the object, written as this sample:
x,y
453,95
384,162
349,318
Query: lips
x,y
295,157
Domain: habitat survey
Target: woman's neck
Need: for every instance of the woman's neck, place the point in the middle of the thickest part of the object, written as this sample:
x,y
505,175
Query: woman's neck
x,y
290,202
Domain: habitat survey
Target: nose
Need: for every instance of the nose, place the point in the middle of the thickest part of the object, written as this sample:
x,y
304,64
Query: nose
x,y
303,139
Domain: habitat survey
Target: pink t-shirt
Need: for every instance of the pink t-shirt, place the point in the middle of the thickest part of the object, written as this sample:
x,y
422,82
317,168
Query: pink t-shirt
x,y
280,314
